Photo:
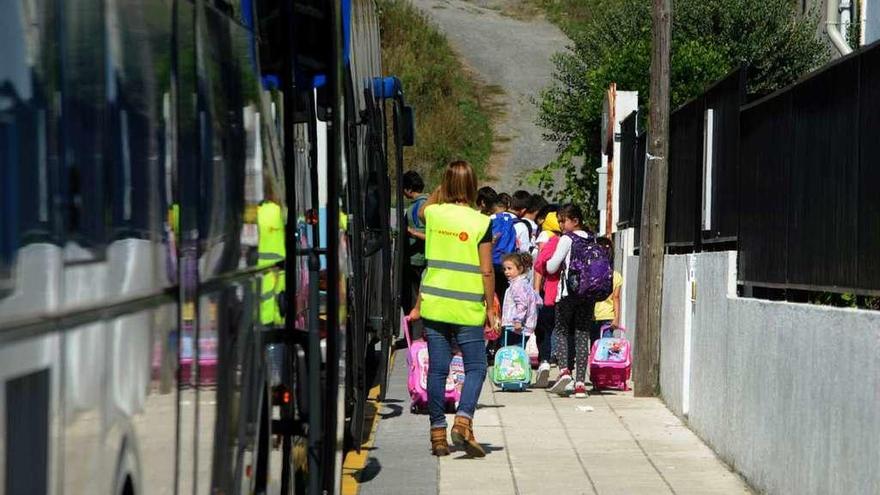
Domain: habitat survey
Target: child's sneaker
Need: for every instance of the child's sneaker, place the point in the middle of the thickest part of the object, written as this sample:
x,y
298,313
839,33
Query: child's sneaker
x,y
543,375
561,382
580,390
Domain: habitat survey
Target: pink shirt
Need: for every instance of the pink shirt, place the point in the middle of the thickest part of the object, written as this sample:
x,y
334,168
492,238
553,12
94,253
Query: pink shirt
x,y
551,280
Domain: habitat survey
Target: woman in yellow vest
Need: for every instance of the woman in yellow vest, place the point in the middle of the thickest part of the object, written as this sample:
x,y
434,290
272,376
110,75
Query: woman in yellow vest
x,y
458,287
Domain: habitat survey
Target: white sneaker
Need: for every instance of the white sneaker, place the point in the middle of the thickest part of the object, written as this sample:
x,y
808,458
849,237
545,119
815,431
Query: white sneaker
x,y
543,375
562,382
569,388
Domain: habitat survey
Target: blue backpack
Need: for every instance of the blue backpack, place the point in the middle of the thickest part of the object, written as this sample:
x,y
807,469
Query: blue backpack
x,y
589,272
504,236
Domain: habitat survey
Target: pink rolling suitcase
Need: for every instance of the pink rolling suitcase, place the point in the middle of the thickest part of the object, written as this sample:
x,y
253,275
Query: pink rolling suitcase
x,y
417,380
611,360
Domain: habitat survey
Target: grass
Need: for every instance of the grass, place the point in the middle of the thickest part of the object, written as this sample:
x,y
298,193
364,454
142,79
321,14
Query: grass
x,y
453,110
569,15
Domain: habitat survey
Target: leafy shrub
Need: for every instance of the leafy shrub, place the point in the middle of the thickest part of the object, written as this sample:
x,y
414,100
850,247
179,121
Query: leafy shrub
x,y
613,44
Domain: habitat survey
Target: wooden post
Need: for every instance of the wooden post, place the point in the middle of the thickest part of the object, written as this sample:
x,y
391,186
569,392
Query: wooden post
x,y
653,234
609,162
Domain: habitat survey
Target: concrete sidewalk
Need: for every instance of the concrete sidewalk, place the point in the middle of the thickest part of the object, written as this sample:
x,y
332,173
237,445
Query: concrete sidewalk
x,y
540,443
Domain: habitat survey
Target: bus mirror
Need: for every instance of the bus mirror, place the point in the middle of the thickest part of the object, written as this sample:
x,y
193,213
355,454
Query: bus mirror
x,y
407,126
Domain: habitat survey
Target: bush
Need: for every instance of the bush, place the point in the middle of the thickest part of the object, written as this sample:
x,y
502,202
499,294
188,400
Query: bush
x,y
451,120
709,38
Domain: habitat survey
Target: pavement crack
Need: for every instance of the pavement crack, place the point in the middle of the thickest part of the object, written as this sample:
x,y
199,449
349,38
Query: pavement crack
x,y
571,443
506,446
641,447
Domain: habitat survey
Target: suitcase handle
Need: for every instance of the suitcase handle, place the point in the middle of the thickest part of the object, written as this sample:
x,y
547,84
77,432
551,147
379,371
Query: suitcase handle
x,y
523,343
405,324
608,325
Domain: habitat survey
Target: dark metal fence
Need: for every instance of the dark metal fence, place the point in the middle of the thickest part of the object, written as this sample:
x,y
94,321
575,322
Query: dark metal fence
x,y
685,175
794,178
724,99
639,183
808,216
627,175
633,146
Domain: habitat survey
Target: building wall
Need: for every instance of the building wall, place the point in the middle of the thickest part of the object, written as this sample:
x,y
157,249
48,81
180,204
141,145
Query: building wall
x,y
787,394
872,21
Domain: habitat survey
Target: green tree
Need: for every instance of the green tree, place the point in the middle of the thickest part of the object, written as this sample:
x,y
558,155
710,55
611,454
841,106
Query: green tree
x,y
709,38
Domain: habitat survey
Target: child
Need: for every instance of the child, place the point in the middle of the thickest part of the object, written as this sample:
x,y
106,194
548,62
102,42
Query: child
x,y
413,190
504,199
486,197
573,313
525,226
607,311
519,313
548,285
547,230
503,241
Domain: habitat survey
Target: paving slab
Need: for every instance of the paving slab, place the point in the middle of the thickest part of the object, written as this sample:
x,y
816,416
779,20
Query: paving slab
x,y
538,443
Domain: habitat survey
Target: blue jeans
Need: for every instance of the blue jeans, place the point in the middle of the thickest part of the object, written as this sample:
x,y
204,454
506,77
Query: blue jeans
x,y
473,350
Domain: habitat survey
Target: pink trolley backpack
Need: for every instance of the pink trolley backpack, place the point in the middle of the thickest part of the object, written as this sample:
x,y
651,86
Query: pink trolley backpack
x,y
417,379
611,360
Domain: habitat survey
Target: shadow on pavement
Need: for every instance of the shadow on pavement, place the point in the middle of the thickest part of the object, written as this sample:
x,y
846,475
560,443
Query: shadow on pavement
x,y
394,411
488,447
611,393
369,472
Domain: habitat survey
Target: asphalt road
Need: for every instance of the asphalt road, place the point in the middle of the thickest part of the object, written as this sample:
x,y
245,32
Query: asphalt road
x,y
515,56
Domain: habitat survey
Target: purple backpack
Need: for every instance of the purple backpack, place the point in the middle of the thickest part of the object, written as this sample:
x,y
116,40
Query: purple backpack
x,y
589,272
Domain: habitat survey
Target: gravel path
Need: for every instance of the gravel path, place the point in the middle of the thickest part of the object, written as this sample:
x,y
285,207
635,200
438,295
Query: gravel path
x,y
513,55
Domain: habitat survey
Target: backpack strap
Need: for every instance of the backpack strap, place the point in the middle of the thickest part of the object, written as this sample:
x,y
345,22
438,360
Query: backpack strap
x,y
414,212
527,224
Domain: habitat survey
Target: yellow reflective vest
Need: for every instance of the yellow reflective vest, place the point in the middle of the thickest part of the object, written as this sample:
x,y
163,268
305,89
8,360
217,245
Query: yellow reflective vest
x,y
452,287
270,250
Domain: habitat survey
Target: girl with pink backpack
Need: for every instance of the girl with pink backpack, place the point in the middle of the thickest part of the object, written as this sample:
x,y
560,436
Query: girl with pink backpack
x,y
573,312
546,284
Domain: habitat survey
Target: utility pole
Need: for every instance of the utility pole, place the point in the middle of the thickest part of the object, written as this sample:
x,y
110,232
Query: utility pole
x,y
653,233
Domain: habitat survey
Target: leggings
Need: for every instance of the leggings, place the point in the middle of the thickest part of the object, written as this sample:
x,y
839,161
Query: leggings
x,y
544,331
574,314
501,284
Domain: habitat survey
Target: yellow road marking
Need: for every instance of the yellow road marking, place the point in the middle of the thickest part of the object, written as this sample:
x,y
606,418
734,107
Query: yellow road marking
x,y
356,461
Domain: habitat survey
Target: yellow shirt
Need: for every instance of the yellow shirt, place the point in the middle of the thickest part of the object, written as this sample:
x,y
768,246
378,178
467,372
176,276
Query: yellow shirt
x,y
605,309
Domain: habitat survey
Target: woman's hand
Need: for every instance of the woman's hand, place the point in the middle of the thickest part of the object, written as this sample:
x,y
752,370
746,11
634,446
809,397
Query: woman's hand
x,y
415,314
416,234
491,317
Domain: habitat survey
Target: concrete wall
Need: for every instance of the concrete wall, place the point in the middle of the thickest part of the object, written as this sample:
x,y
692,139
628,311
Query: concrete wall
x,y
872,21
788,394
676,305
629,296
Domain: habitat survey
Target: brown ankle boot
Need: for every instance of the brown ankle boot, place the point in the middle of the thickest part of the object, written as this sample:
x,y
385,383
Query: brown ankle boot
x,y
463,436
439,447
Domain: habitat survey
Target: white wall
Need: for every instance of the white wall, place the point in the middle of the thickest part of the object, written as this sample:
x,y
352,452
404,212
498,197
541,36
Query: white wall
x,y
629,296
872,21
788,394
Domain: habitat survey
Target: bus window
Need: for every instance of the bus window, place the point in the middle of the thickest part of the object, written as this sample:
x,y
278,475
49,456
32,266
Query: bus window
x,y
83,50
29,82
